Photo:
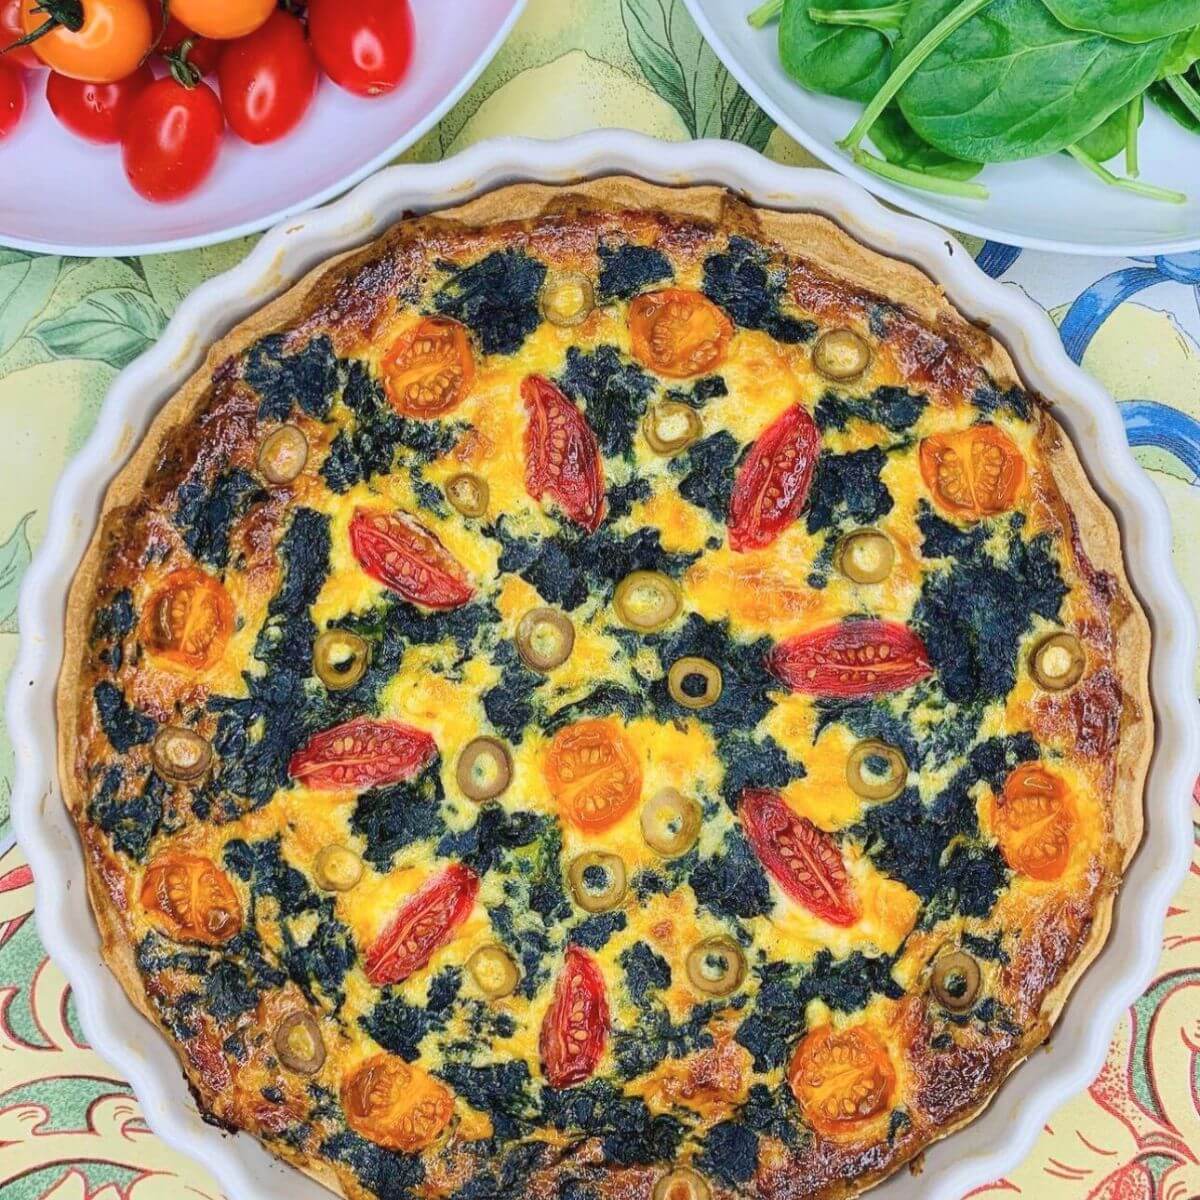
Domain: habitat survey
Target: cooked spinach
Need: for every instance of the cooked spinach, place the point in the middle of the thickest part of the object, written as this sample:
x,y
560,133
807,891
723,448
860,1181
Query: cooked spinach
x,y
123,725
393,818
613,392
847,490
207,512
895,408
309,377
751,288
707,469
626,270
131,820
496,298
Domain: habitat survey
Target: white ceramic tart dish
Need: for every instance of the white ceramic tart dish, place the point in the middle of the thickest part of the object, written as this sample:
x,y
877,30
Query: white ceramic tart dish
x,y
979,1151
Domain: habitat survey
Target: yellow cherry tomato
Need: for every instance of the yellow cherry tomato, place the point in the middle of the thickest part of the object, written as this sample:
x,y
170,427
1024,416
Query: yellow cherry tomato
x,y
222,18
100,41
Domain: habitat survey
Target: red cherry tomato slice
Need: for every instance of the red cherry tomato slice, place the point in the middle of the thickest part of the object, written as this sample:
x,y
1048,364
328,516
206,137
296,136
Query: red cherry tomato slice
x,y
404,556
12,29
171,140
95,111
854,658
12,100
364,47
268,80
575,1028
804,860
772,484
362,754
562,456
424,922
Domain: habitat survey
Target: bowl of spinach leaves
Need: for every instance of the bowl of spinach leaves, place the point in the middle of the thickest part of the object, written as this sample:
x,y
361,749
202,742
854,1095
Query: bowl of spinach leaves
x,y
1070,125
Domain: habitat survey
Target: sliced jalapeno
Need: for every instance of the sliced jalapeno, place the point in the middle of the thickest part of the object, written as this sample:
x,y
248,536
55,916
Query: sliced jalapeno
x,y
545,638
695,683
340,659
1057,662
716,966
180,755
468,493
647,600
956,981
841,354
671,426
876,771
282,454
484,769
670,823
866,556
597,880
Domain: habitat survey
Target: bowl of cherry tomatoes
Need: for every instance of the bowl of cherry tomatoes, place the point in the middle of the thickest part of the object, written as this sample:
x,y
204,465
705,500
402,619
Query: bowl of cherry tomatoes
x,y
134,126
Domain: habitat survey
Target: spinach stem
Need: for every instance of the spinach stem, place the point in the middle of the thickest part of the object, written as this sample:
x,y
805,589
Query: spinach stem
x,y
904,71
919,179
885,19
1133,121
1188,96
1149,190
764,14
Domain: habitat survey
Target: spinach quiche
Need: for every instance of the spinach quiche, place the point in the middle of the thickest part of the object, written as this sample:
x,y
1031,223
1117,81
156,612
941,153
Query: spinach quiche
x,y
606,693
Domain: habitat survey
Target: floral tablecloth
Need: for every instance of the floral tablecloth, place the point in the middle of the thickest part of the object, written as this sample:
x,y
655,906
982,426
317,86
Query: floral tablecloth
x,y
69,1127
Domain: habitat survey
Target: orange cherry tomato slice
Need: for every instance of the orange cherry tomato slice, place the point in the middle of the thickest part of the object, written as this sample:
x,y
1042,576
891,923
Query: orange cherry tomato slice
x,y
395,1104
852,658
115,37
575,1027
430,369
974,473
804,860
1035,820
593,774
424,922
399,552
842,1079
678,332
223,18
361,754
190,899
188,620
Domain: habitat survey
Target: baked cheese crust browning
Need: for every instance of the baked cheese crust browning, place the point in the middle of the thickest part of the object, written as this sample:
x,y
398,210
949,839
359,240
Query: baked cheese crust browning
x,y
604,693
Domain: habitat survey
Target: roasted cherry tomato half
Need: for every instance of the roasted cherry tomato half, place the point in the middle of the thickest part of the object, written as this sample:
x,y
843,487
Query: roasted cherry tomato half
x,y
395,1104
171,139
223,18
190,899
188,620
12,30
804,860
95,111
972,474
268,80
575,1027
111,43
365,47
772,485
562,456
678,333
853,658
430,369
12,99
399,552
426,921
360,754
842,1079
593,774
1035,820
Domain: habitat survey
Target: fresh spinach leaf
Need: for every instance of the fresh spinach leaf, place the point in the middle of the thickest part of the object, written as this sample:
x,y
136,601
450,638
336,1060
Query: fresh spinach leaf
x,y
837,60
1128,20
899,143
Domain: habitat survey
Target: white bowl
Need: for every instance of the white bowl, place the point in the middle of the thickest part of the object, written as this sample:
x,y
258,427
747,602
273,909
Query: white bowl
x,y
63,196
1045,204
1003,1135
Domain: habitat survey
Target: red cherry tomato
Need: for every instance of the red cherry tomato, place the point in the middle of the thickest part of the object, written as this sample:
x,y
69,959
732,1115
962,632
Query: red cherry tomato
x,y
172,138
12,29
364,47
362,754
12,100
575,1027
268,80
804,860
203,53
855,658
403,555
424,922
772,485
95,111
562,456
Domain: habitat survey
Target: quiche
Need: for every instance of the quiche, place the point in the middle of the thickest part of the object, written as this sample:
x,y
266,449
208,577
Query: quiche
x,y
605,693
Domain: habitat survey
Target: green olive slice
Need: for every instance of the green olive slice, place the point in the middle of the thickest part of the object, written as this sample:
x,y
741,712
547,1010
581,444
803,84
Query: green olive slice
x,y
567,298
866,556
671,426
682,1184
1057,662
876,771
670,822
494,971
468,493
299,1043
337,869
545,638
282,454
180,755
716,966
956,981
841,354
597,880
647,600
695,682
340,659
484,769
